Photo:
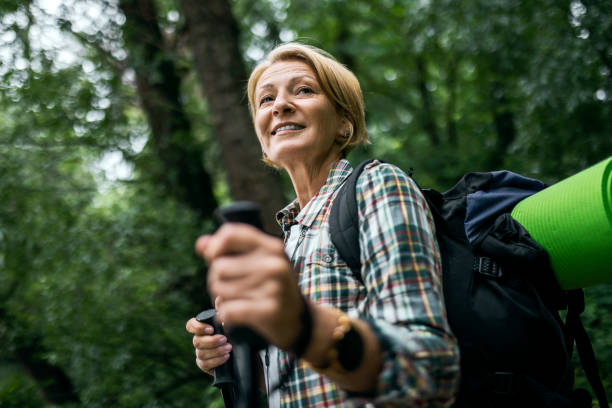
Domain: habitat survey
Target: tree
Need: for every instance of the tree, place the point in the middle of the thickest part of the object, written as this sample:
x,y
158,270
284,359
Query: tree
x,y
90,307
213,37
181,172
97,272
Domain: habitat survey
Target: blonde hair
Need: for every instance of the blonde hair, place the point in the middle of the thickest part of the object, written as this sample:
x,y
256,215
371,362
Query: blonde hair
x,y
338,82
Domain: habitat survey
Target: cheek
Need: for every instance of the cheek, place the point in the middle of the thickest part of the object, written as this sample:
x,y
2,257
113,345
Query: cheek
x,y
262,142
331,122
260,126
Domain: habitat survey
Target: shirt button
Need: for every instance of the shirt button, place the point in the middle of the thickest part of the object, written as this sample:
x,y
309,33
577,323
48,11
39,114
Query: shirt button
x,y
327,258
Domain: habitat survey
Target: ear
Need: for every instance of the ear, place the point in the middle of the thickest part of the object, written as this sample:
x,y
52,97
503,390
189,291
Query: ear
x,y
345,129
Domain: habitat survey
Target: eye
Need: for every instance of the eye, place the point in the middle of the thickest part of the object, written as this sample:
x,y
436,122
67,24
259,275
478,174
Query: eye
x,y
265,99
304,90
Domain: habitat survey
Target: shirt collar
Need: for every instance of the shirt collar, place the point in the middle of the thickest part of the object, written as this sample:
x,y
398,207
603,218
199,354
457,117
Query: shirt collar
x,y
292,214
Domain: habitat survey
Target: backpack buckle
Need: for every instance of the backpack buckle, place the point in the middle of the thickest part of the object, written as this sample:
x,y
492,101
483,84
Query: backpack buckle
x,y
487,266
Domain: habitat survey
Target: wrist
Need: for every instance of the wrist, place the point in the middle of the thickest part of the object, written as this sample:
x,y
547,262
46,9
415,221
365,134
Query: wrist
x,y
304,336
324,322
337,345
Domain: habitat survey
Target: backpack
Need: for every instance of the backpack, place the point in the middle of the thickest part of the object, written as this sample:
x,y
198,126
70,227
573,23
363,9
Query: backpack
x,y
501,296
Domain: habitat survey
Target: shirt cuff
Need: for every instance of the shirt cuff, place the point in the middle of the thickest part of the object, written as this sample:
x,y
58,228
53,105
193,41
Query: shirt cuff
x,y
420,367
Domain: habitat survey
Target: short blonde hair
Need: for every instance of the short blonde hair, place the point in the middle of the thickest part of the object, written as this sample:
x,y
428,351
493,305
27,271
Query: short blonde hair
x,y
337,81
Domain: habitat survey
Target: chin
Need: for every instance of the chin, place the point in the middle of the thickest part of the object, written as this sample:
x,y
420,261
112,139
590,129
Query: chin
x,y
289,153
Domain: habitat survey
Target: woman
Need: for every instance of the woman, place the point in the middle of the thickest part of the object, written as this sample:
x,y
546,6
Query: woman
x,y
300,296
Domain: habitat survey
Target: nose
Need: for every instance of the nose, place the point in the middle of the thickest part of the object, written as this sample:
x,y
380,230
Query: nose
x,y
282,104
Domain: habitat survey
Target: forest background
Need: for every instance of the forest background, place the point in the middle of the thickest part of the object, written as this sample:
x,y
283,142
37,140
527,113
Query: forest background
x,y
124,123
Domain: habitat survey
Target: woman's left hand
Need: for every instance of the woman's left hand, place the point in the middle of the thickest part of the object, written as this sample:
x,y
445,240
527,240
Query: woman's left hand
x,y
254,282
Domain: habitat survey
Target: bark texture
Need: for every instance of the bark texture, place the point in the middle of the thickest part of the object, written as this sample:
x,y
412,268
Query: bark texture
x,y
214,40
182,173
503,119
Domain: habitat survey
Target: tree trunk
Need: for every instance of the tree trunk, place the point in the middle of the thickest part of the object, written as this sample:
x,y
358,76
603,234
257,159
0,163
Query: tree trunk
x,y
181,174
451,123
343,35
53,383
503,118
213,35
428,116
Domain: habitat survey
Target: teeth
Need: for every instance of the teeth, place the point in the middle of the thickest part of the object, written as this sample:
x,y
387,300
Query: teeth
x,y
288,127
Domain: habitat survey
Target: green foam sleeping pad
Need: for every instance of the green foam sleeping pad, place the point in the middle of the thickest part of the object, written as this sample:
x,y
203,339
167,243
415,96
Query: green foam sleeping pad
x,y
572,220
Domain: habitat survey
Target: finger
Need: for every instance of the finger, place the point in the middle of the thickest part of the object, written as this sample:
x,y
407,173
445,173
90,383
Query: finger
x,y
208,354
201,243
231,268
208,365
276,322
255,288
248,270
254,313
236,238
209,342
198,328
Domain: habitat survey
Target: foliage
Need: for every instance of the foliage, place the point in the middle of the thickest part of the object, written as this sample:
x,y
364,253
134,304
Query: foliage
x,y
97,272
454,87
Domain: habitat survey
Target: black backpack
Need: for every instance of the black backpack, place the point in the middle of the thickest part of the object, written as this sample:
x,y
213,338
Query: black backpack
x,y
502,302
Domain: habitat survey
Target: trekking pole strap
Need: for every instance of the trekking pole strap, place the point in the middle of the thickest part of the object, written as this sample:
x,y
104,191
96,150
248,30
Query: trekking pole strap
x,y
583,345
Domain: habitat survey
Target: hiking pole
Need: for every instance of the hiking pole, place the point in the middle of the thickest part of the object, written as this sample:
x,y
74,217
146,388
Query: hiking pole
x,y
224,378
246,342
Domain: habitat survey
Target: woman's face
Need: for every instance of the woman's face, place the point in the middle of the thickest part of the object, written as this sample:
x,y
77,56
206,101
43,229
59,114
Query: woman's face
x,y
294,119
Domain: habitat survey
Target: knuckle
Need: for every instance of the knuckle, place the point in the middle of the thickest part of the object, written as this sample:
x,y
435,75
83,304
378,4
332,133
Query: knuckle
x,y
192,325
226,231
228,315
274,289
201,365
213,270
201,354
281,265
234,315
213,287
278,246
277,267
219,265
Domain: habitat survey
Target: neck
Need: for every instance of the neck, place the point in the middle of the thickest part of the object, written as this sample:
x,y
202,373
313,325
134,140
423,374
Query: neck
x,y
308,178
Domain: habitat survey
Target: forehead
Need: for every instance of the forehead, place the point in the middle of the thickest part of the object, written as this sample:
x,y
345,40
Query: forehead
x,y
284,71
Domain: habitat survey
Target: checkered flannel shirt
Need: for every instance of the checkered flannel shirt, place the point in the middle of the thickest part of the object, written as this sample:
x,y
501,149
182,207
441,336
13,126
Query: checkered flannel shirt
x,y
401,300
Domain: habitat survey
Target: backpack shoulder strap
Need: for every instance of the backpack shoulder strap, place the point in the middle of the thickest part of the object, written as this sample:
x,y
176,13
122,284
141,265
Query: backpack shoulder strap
x,y
344,222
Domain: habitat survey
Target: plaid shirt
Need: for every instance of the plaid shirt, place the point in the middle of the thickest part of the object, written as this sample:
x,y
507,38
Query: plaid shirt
x,y
401,300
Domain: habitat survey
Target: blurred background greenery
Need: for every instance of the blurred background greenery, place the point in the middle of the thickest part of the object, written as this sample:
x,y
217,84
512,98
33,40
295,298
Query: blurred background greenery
x,y
123,124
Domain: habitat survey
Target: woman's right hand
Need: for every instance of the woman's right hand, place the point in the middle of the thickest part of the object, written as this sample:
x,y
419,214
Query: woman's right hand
x,y
211,350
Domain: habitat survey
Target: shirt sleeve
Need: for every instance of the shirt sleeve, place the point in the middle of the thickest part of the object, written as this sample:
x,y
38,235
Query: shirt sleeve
x,y
404,306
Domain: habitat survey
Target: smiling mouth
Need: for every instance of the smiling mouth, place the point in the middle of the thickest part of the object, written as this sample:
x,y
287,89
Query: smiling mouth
x,y
287,127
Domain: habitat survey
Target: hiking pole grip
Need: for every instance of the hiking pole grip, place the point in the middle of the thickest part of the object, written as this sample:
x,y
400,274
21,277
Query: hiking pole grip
x,y
246,342
245,212
224,377
223,374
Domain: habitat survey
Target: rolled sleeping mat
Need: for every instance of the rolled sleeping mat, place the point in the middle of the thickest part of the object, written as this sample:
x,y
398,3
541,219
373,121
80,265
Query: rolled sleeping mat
x,y
572,220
